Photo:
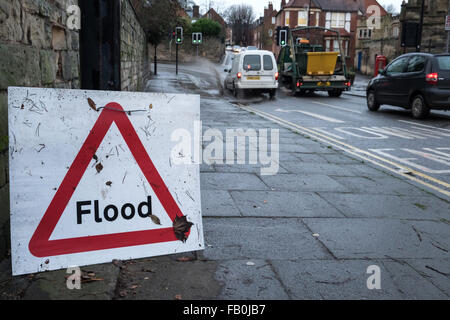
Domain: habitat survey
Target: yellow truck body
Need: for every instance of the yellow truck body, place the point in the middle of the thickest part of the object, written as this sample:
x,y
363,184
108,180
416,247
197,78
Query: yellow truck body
x,y
321,63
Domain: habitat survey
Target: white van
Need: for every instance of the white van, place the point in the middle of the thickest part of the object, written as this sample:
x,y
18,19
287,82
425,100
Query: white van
x,y
253,70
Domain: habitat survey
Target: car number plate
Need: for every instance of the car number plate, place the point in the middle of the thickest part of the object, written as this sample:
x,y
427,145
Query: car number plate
x,y
253,78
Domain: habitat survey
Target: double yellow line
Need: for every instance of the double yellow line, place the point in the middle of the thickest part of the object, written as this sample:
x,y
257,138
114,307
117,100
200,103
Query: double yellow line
x,y
438,185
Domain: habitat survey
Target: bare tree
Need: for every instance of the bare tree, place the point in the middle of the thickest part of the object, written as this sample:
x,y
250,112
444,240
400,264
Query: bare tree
x,y
240,18
158,18
390,8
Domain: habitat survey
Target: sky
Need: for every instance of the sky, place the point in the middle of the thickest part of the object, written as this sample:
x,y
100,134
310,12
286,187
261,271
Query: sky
x,y
258,5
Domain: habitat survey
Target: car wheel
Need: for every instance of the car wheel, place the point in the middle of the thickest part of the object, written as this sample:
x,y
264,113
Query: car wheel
x,y
419,108
372,103
335,93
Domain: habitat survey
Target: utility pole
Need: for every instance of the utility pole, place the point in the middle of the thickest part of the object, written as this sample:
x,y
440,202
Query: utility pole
x,y
309,12
422,12
448,31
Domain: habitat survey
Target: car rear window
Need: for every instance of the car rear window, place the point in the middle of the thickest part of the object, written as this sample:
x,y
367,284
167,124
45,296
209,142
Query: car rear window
x,y
444,63
252,62
268,62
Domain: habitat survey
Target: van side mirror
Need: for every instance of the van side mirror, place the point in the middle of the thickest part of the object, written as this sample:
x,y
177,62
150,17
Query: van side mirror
x,y
225,70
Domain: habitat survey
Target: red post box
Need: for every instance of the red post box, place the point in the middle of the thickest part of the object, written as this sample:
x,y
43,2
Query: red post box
x,y
380,63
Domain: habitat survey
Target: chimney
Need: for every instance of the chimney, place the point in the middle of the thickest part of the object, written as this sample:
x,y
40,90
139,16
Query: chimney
x,y
196,12
270,7
283,3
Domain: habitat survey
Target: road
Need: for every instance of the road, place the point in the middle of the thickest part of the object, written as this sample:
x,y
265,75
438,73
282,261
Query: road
x,y
390,138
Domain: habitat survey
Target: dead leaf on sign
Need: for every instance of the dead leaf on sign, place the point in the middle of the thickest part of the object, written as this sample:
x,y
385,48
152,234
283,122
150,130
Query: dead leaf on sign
x,y
155,219
181,226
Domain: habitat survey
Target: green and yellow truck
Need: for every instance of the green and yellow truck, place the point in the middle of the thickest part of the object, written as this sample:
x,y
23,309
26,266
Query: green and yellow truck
x,y
306,67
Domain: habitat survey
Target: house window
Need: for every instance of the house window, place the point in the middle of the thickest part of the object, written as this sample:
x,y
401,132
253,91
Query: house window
x,y
327,46
395,32
365,33
317,19
302,18
337,20
286,19
273,20
348,19
335,45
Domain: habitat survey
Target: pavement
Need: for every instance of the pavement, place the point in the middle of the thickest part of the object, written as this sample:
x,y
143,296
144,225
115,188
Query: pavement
x,y
315,230
359,85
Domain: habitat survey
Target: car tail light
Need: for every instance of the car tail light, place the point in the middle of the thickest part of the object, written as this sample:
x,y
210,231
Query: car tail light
x,y
239,75
432,78
348,84
299,84
276,75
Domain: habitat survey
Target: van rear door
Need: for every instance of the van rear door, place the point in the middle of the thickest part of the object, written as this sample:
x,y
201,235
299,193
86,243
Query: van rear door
x,y
442,69
269,69
252,67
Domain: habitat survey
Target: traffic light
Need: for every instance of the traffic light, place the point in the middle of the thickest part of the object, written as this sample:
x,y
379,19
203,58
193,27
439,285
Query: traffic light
x,y
282,36
197,38
179,35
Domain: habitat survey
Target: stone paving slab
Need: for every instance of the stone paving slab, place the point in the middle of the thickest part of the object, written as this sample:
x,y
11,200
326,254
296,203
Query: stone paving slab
x,y
231,181
254,238
283,204
218,203
386,206
407,280
243,168
332,280
304,182
436,271
380,238
378,185
319,168
248,280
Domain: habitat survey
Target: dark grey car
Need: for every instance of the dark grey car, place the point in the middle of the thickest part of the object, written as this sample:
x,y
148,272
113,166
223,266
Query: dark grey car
x,y
416,81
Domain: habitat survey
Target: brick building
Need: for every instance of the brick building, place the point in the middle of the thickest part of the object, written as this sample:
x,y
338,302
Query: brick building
x,y
341,15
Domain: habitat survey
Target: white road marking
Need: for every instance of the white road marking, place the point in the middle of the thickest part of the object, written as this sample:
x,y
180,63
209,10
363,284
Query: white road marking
x,y
374,135
336,107
409,161
328,133
424,125
314,115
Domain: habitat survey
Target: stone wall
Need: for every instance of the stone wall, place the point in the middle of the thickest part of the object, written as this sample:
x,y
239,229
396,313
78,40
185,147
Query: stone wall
x,y
212,49
134,51
36,50
434,35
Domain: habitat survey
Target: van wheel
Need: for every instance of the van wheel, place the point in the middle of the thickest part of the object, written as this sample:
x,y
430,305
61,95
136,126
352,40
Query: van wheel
x,y
372,103
419,108
272,93
238,93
